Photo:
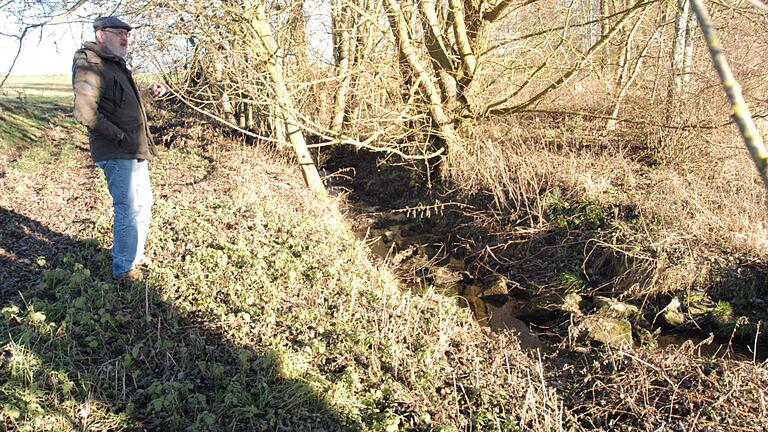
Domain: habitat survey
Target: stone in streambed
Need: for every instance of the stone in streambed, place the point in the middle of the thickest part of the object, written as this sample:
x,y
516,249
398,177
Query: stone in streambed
x,y
388,236
722,319
495,290
672,315
572,303
603,330
541,309
644,337
610,307
547,307
444,278
698,304
503,318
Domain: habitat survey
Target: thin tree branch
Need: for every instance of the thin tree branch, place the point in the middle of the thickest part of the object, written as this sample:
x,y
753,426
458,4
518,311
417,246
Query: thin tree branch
x,y
741,115
55,19
498,11
577,66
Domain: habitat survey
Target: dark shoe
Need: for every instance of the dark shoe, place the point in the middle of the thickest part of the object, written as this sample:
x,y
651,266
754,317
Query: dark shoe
x,y
133,275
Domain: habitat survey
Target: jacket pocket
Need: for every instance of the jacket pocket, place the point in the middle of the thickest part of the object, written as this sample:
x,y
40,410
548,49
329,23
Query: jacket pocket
x,y
131,143
116,95
111,98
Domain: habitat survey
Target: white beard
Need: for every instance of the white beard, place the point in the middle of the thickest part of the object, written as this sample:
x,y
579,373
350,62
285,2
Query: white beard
x,y
117,50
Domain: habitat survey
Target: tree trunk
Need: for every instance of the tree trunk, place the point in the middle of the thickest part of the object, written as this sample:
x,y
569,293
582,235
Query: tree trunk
x,y
463,37
690,34
438,52
407,53
603,17
342,50
626,78
298,33
676,89
285,111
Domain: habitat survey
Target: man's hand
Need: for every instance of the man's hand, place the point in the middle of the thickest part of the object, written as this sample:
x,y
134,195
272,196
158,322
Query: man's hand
x,y
157,89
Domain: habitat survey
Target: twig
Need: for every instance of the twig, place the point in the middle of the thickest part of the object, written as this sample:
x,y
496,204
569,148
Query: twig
x,y
724,397
754,350
55,19
758,4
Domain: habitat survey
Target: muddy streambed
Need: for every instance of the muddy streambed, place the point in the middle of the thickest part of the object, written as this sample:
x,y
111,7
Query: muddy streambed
x,y
422,258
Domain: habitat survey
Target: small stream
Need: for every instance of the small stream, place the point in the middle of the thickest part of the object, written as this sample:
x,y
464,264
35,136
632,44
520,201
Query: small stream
x,y
422,260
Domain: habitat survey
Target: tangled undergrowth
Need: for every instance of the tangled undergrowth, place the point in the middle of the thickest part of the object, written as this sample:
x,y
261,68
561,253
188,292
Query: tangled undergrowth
x,y
641,213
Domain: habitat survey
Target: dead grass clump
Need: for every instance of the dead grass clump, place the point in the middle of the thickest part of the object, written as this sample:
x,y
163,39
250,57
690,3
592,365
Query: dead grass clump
x,y
676,389
521,175
667,222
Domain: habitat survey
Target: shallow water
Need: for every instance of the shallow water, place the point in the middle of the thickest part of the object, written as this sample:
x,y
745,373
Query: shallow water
x,y
705,346
387,241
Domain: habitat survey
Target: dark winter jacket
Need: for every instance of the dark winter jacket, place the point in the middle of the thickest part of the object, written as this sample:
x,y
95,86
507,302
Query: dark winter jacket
x,y
108,103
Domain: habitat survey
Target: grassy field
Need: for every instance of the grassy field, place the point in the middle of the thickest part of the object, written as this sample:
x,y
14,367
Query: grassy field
x,y
40,87
261,311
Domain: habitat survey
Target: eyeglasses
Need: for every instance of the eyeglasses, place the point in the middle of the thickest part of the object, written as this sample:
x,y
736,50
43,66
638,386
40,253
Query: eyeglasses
x,y
121,33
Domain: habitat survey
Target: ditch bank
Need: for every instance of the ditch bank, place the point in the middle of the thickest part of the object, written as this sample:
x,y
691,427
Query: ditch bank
x,y
547,291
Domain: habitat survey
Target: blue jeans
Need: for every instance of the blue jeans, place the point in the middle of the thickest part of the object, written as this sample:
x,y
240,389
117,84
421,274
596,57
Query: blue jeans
x,y
128,183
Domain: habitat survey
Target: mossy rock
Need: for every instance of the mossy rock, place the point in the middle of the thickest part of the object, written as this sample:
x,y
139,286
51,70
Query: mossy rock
x,y
698,304
572,303
541,309
722,319
611,307
496,289
388,236
444,278
644,337
671,314
604,330
725,323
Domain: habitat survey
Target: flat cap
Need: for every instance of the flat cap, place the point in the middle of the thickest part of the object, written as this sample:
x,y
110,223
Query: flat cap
x,y
110,22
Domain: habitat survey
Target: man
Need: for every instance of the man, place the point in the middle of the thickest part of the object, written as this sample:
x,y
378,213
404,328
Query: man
x,y
107,101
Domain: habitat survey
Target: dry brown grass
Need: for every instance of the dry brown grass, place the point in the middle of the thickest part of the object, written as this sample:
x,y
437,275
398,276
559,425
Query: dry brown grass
x,y
675,389
695,193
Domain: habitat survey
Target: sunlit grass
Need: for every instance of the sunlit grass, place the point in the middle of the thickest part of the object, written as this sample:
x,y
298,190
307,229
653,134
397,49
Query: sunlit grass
x,y
57,87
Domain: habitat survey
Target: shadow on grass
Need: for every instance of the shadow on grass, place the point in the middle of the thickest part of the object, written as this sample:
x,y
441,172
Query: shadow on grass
x,y
82,351
42,109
